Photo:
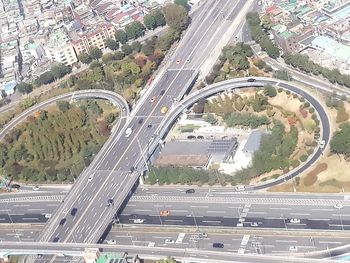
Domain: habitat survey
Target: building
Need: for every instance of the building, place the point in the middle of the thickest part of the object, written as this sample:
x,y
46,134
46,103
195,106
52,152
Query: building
x,y
59,49
84,40
117,258
253,143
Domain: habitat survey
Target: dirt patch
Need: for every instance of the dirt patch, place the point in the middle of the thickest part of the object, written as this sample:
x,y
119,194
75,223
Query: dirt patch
x,y
311,177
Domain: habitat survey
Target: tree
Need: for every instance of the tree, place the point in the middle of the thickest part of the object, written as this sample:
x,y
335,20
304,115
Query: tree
x,y
150,21
45,78
270,91
340,143
24,87
121,36
59,70
134,30
111,44
183,3
176,16
136,46
210,118
168,260
127,49
95,53
85,58
282,74
63,105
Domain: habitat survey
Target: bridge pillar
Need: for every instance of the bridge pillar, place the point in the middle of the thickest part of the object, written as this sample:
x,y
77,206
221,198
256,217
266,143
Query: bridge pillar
x,y
91,255
4,258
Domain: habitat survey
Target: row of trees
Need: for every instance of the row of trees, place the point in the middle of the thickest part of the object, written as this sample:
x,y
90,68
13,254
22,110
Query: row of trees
x,y
259,33
54,146
245,119
303,63
340,143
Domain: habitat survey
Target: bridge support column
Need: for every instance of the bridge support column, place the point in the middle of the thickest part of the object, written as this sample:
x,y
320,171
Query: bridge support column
x,y
4,258
90,255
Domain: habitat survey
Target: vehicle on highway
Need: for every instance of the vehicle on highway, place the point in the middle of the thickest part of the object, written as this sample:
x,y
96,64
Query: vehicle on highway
x,y
139,221
110,202
218,245
63,221
295,220
48,215
293,249
162,92
251,80
128,132
153,99
190,191
111,242
203,235
322,144
169,241
15,186
178,61
200,137
132,169
164,213
240,188
254,224
141,121
164,110
55,240
123,108
90,178
149,125
191,137
74,211
36,188
338,206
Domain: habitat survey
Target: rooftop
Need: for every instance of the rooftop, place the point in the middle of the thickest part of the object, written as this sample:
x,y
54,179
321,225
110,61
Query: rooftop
x,y
111,258
253,142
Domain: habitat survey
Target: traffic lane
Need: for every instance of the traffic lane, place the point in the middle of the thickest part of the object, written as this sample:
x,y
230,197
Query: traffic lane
x,y
210,221
34,207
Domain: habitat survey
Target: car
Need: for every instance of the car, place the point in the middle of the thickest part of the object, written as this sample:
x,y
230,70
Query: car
x,y
141,121
240,188
239,224
190,191
218,245
251,80
90,178
322,144
132,169
128,132
295,221
153,99
55,240
169,241
123,108
164,110
48,215
149,125
254,224
162,92
164,213
111,242
74,211
293,249
178,61
191,137
203,235
63,221
139,221
338,206
15,186
36,188
110,202
200,137
188,60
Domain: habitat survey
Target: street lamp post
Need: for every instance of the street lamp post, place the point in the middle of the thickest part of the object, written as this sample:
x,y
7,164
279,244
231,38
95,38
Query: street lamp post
x,y
284,221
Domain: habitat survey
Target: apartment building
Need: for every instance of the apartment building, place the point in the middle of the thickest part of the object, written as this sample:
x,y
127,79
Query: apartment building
x,y
82,40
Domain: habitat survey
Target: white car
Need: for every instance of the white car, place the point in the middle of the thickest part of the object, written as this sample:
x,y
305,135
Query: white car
x,y
240,188
293,249
338,206
128,132
139,221
169,241
111,242
36,188
322,144
90,178
48,215
295,220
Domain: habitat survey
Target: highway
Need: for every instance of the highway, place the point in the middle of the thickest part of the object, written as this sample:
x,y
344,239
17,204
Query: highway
x,y
112,179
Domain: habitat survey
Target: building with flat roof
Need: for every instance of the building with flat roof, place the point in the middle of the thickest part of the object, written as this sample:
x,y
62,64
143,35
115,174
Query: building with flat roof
x,y
253,142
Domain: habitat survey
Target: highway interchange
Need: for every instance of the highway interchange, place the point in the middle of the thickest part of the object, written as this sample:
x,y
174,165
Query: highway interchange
x,y
112,178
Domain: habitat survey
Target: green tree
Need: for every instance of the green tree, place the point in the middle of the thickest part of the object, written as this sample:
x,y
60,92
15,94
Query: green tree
x,y
134,30
340,143
95,53
28,102
24,87
183,3
270,91
154,19
136,46
168,260
282,74
59,70
121,36
176,16
85,58
63,105
111,44
210,118
127,49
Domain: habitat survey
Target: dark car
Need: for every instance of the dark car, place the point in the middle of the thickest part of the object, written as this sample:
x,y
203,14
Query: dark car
x,y
201,137
251,80
162,92
149,125
63,220
140,121
132,169
55,240
190,191
110,202
218,245
191,137
73,211
15,186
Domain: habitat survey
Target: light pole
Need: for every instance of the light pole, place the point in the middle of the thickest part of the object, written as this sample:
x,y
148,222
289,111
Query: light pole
x,y
160,219
341,221
284,221
143,156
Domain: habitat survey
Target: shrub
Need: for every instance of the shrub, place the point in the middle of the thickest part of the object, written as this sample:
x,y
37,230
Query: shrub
x,y
311,110
280,90
306,104
303,158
